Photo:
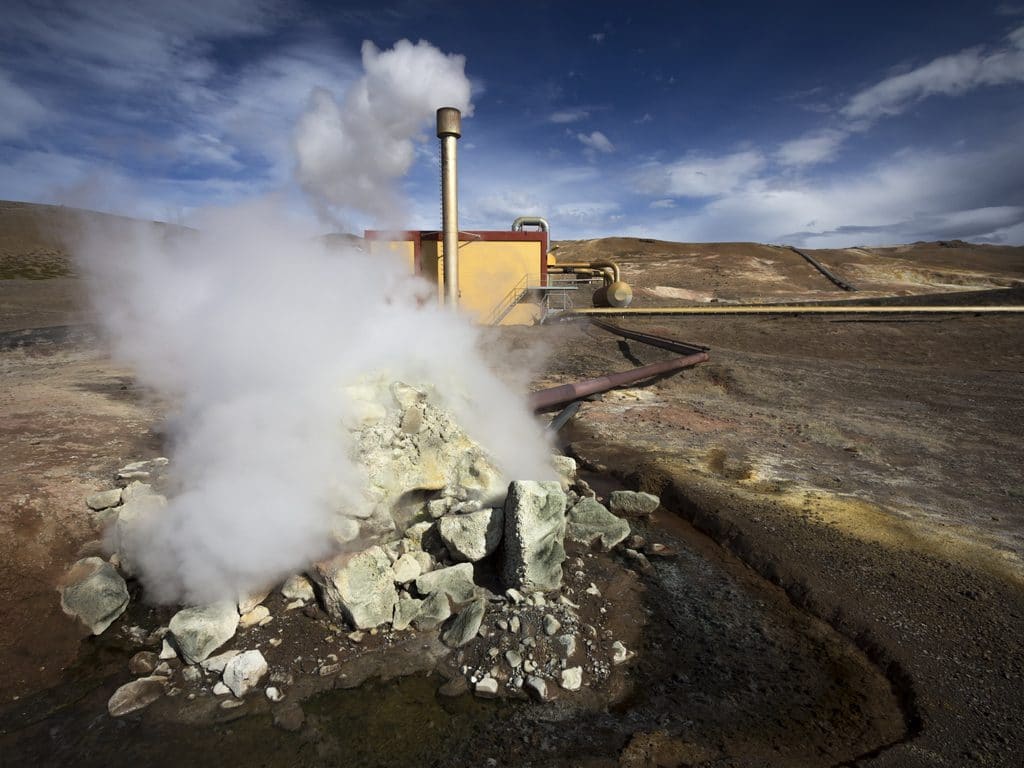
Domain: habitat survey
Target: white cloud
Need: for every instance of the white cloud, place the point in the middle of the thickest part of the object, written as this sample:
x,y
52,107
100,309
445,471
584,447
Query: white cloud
x,y
598,37
596,141
665,202
19,109
811,148
699,175
948,75
568,115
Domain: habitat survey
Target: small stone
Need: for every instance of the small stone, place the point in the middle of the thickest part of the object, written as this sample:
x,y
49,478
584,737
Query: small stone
x,y
529,666
297,587
163,669
486,688
248,602
274,642
466,624
538,599
593,590
220,689
620,654
231,703
514,624
568,643
357,636
551,625
572,678
104,499
537,687
142,663
514,659
191,674
167,650
136,695
244,671
274,694
295,604
515,595
254,617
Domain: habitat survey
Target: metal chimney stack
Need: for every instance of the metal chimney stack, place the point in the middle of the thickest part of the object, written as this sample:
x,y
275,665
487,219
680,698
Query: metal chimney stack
x,y
449,129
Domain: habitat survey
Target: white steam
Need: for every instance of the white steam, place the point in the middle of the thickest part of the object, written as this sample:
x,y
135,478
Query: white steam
x,y
350,154
253,329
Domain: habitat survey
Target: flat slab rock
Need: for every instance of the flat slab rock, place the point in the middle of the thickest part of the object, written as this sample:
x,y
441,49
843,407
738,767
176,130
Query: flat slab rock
x,y
136,695
590,521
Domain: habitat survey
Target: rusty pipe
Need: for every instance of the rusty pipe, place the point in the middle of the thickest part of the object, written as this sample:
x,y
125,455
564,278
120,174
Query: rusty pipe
x,y
566,393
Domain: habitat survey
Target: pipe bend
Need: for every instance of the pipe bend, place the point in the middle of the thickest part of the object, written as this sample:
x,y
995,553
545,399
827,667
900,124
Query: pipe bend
x,y
531,221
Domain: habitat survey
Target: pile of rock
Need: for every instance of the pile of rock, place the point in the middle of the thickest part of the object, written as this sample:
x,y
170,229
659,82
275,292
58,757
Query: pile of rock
x,y
443,545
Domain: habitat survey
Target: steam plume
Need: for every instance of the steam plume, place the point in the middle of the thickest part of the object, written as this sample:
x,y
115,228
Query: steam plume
x,y
253,329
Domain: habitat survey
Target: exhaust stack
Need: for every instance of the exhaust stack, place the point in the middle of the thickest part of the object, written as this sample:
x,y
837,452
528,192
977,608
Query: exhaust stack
x,y
449,129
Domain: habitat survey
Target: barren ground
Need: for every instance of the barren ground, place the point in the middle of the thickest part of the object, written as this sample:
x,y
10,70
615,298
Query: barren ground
x,y
861,476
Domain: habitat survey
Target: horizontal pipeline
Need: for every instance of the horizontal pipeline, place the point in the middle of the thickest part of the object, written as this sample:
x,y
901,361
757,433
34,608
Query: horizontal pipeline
x,y
566,393
783,309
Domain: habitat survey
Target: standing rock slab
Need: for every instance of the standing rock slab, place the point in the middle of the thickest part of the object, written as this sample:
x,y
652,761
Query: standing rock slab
x,y
590,521
200,631
533,548
633,502
244,671
466,624
456,582
359,588
95,594
433,612
473,536
136,695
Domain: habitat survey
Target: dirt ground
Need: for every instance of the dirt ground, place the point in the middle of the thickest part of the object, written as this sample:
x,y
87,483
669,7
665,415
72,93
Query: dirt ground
x,y
862,477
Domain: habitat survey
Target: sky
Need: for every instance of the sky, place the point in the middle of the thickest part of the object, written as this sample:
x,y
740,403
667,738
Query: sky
x,y
816,124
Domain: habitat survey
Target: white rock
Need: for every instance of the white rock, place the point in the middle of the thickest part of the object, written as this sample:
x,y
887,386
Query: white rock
x,y
200,631
572,678
551,625
274,694
359,588
219,689
297,587
589,521
568,643
620,654
136,695
167,650
407,568
257,615
633,503
474,536
456,582
248,602
243,672
218,662
486,688
537,687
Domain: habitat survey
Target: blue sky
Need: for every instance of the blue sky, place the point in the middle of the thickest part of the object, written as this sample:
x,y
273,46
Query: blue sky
x,y
821,124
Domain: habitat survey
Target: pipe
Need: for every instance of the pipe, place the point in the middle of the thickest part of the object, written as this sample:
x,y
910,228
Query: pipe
x,y
532,221
563,416
566,393
449,129
821,268
662,342
602,265
783,309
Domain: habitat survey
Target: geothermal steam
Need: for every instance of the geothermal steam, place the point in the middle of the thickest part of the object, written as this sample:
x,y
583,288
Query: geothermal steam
x,y
253,329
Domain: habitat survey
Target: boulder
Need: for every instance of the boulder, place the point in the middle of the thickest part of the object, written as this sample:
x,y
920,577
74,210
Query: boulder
x,y
589,521
633,503
466,624
406,611
94,593
201,630
359,588
472,536
254,617
533,549
297,588
136,695
244,671
456,582
104,499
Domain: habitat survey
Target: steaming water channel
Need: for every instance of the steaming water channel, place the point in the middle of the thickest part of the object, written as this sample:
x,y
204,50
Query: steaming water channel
x,y
729,670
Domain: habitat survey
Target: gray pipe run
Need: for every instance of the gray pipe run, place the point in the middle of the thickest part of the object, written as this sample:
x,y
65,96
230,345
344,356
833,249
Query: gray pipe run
x,y
532,221
449,129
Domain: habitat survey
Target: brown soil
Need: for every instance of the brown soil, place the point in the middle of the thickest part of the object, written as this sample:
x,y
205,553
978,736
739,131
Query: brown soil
x,y
869,470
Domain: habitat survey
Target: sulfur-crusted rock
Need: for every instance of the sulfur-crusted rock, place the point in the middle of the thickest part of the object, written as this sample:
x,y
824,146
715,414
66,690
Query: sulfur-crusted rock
x,y
200,631
244,671
466,624
433,612
359,588
474,536
533,548
589,521
95,594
